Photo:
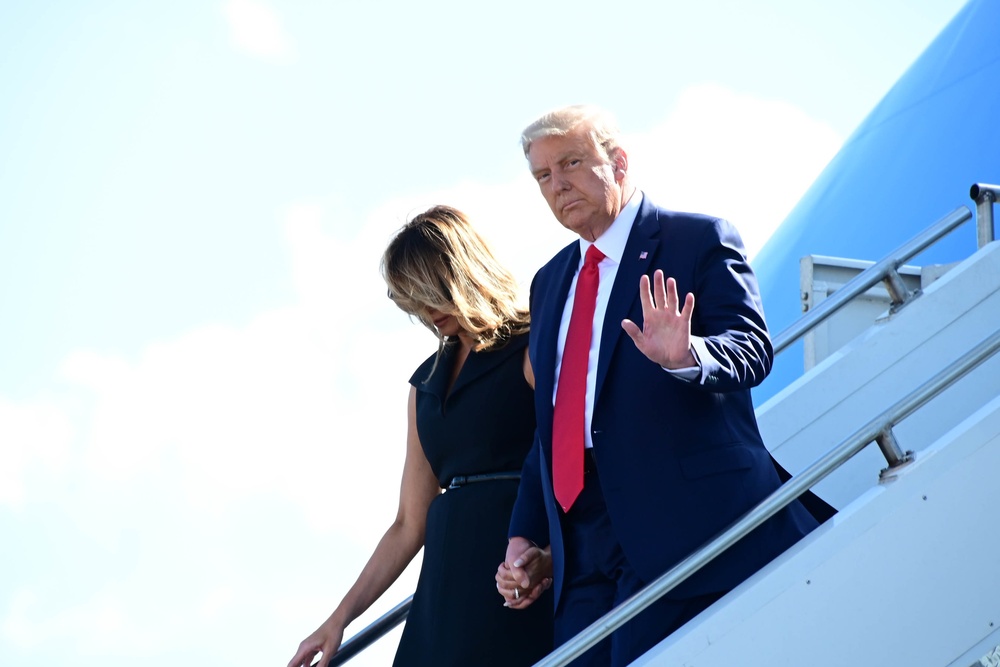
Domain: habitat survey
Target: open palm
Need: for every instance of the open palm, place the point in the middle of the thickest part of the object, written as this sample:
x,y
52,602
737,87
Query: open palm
x,y
665,336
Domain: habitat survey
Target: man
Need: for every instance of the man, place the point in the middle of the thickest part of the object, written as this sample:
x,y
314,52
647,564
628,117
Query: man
x,y
646,445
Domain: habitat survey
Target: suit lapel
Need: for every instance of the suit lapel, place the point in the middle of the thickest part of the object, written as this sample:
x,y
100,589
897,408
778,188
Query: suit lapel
x,y
638,258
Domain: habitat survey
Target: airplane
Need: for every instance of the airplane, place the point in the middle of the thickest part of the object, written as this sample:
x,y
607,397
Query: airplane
x,y
911,160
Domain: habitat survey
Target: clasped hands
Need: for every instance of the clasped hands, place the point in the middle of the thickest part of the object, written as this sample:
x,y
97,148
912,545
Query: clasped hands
x,y
525,574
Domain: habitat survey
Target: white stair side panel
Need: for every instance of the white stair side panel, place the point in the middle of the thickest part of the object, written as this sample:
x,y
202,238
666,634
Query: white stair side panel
x,y
908,574
892,358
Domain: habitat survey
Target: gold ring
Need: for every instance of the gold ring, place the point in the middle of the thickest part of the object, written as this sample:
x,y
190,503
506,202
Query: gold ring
x,y
517,594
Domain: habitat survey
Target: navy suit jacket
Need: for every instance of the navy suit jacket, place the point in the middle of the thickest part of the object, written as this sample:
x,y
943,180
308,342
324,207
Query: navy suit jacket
x,y
677,461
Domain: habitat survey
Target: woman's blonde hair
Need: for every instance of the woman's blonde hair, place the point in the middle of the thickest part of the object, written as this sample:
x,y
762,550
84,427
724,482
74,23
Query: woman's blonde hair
x,y
439,260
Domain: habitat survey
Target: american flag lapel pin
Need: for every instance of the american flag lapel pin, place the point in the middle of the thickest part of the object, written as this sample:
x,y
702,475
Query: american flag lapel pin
x,y
643,255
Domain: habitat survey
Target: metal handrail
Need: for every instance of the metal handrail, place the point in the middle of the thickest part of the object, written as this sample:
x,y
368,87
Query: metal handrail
x,y
884,270
372,633
984,195
771,505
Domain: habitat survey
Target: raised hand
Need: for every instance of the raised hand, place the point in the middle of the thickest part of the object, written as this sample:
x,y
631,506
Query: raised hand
x,y
665,337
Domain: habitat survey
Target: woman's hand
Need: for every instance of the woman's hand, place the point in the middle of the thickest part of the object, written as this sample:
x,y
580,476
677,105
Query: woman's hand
x,y
325,640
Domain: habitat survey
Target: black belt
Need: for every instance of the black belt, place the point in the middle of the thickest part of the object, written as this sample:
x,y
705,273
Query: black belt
x,y
462,480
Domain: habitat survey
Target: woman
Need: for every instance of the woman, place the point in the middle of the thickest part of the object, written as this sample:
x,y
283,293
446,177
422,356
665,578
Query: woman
x,y
470,425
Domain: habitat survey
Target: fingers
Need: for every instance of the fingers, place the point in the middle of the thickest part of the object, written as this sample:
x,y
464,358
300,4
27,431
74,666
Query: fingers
x,y
665,291
542,586
520,578
646,295
504,578
522,568
509,578
511,595
661,295
303,657
662,292
325,642
527,598
522,601
664,336
527,557
688,307
506,585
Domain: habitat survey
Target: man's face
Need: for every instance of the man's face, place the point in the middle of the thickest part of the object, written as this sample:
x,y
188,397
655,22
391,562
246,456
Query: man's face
x,y
582,187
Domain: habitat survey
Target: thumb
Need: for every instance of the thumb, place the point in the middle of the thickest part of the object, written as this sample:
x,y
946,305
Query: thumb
x,y
633,331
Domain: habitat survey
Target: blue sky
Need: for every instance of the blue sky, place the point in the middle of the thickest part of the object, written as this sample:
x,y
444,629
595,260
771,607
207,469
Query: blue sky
x,y
202,384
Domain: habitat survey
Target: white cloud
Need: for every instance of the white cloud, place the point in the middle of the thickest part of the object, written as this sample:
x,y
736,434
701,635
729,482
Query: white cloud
x,y
275,408
36,439
100,626
256,29
735,156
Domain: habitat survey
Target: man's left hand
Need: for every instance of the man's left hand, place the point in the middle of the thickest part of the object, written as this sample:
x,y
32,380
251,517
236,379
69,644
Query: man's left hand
x,y
665,337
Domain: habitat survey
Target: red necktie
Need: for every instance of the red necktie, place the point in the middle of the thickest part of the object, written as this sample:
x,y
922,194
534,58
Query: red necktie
x,y
571,396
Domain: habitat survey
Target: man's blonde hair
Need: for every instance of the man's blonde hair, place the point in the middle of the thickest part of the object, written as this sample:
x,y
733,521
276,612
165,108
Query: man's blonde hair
x,y
600,124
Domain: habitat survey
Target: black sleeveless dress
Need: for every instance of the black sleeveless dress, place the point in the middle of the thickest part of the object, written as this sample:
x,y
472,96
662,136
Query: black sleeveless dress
x,y
485,425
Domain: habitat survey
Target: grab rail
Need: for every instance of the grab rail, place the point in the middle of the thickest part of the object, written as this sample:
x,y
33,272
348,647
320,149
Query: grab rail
x,y
883,271
372,633
874,430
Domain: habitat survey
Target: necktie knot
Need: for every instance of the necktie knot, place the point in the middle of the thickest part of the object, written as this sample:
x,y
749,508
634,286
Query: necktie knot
x,y
593,256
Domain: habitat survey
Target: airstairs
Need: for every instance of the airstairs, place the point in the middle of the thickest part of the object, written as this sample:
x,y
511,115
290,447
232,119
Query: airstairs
x,y
897,425
907,573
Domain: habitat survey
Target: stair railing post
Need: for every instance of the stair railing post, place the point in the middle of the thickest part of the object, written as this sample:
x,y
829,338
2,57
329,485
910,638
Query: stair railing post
x,y
893,453
899,293
984,195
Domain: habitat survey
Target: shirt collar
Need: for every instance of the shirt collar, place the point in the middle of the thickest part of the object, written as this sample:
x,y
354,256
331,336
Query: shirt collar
x,y
612,241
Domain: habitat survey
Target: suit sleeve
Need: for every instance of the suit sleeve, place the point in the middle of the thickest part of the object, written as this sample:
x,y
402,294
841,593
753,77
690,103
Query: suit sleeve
x,y
528,519
728,330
